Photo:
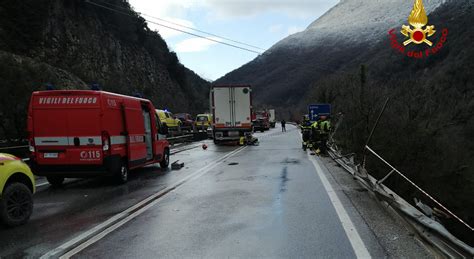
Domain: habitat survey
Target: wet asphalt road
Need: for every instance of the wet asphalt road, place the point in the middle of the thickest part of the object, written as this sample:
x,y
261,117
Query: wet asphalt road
x,y
263,201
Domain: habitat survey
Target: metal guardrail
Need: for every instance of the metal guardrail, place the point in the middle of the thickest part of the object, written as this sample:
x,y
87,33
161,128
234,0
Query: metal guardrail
x,y
16,150
394,170
437,235
14,147
180,137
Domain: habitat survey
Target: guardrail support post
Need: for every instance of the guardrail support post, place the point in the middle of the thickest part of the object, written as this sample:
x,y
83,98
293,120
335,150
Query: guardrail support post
x,y
385,178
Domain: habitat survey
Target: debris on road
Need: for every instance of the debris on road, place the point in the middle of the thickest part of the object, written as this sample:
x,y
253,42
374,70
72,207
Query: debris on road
x,y
176,165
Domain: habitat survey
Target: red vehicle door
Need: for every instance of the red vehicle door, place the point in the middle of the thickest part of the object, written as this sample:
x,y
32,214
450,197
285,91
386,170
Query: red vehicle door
x,y
159,139
133,116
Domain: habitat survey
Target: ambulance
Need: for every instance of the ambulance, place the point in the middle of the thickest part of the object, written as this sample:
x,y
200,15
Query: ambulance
x,y
82,133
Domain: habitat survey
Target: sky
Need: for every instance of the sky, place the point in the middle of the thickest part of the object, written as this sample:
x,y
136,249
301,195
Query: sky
x,y
260,23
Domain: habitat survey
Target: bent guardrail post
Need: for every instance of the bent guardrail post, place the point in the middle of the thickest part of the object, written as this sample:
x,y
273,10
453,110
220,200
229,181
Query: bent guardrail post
x,y
385,177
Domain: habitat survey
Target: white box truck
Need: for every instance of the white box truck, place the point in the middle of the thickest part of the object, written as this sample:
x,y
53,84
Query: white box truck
x,y
272,118
232,112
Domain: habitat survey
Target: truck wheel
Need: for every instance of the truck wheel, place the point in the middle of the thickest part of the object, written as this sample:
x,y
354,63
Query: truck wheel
x,y
16,204
262,130
122,174
166,159
55,181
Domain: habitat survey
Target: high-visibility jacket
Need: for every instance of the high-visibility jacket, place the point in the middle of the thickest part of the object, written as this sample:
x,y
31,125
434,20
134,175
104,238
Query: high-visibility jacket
x,y
325,126
305,125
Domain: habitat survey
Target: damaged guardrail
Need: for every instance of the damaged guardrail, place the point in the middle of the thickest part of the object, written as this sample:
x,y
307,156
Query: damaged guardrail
x,y
427,227
431,230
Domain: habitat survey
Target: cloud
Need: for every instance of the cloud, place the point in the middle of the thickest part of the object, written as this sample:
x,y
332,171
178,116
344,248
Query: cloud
x,y
194,45
168,33
294,8
275,28
234,8
294,29
164,10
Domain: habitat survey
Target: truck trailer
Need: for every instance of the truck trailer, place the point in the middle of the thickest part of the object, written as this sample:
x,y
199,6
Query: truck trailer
x,y
231,107
80,133
272,118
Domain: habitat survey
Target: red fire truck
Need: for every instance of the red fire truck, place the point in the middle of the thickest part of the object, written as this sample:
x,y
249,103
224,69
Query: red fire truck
x,y
75,133
261,120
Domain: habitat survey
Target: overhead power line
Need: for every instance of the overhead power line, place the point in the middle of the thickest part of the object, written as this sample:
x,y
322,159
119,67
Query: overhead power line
x,y
176,29
184,26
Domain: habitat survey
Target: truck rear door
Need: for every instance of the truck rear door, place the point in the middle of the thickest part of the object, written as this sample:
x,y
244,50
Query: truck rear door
x,y
223,107
241,107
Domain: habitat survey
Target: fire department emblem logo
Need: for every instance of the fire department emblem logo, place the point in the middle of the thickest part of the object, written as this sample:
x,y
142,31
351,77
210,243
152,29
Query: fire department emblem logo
x,y
418,31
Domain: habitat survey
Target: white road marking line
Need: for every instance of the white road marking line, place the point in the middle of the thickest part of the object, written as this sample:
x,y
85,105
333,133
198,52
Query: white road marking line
x,y
42,184
358,245
91,236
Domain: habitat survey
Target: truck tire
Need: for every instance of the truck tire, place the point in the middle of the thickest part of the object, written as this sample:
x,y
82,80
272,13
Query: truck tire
x,y
165,162
16,204
55,181
121,176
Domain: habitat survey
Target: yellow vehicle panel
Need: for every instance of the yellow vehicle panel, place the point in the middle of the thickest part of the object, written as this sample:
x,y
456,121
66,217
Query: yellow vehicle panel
x,y
10,165
204,120
168,119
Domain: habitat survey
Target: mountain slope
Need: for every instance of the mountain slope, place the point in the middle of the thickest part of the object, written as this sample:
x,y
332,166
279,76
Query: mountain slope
x,y
96,45
427,129
283,74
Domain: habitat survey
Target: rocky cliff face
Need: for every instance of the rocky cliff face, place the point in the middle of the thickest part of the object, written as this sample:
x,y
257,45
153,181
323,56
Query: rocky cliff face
x,y
115,50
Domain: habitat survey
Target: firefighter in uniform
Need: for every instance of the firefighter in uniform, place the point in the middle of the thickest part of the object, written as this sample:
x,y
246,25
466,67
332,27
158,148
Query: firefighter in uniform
x,y
324,129
306,131
315,135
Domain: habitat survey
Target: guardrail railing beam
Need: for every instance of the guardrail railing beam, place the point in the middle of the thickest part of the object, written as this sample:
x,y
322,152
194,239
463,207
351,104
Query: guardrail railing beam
x,y
420,189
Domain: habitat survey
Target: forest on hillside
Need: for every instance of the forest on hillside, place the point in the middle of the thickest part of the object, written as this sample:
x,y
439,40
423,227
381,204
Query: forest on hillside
x,y
427,130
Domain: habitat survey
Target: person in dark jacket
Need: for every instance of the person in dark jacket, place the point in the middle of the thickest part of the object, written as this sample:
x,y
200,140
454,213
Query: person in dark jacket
x,y
283,126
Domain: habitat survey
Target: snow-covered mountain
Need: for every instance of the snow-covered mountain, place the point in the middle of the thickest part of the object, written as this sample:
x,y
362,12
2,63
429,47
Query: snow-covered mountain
x,y
352,21
284,73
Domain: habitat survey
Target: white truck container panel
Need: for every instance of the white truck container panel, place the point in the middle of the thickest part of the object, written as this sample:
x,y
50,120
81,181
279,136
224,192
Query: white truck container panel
x,y
222,106
232,109
272,115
